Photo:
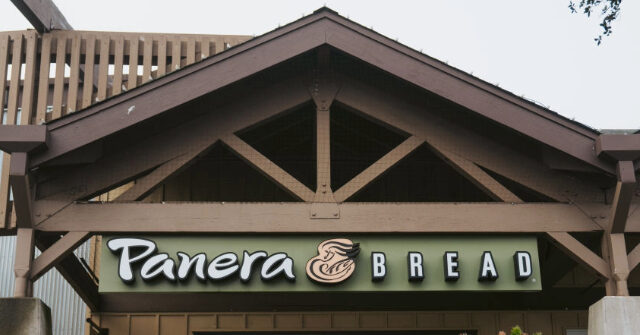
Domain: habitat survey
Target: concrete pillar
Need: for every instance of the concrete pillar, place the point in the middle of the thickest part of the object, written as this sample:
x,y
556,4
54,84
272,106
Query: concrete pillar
x,y
24,316
615,315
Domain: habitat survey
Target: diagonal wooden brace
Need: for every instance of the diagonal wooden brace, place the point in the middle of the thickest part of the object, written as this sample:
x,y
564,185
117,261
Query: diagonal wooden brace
x,y
19,181
52,255
581,254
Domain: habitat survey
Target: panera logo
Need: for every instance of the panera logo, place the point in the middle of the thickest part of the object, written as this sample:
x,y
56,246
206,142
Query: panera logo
x,y
335,262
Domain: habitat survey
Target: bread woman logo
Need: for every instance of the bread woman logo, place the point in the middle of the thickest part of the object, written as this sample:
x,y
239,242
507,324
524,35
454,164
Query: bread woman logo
x,y
335,262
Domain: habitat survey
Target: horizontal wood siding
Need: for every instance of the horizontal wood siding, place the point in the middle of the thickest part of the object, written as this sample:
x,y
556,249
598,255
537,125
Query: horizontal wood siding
x,y
486,323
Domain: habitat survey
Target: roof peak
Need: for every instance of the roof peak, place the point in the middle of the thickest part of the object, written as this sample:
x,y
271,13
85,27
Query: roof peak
x,y
325,9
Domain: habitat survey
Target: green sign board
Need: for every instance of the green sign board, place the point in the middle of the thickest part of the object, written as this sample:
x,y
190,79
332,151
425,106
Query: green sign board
x,y
288,263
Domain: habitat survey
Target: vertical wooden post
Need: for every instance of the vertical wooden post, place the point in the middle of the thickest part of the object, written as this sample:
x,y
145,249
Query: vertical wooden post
x,y
323,91
23,260
323,158
615,252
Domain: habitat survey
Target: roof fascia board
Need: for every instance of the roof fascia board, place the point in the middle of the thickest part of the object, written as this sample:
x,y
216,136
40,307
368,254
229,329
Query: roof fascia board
x,y
461,92
128,109
304,35
459,74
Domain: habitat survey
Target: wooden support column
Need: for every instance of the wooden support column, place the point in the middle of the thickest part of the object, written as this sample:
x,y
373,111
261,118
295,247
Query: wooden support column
x,y
614,250
23,262
323,90
625,189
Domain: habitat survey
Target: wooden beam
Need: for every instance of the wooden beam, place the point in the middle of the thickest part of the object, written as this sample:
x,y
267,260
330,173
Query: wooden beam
x,y
625,190
618,147
619,263
23,138
145,185
378,168
268,168
74,273
177,88
323,90
477,176
634,257
23,262
415,118
464,90
52,255
44,15
20,185
197,134
581,254
294,218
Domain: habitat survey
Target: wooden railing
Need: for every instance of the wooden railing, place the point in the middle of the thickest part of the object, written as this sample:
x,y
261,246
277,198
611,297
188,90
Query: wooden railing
x,y
54,74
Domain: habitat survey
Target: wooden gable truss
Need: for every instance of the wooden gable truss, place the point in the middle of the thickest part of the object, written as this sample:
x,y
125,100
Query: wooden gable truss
x,y
55,210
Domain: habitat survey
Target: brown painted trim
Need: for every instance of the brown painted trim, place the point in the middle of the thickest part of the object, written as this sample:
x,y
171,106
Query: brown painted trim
x,y
52,255
23,138
634,257
347,322
619,147
478,177
176,88
619,262
20,185
378,168
23,262
446,136
270,169
44,15
145,185
198,134
581,254
308,33
74,273
480,100
295,218
624,193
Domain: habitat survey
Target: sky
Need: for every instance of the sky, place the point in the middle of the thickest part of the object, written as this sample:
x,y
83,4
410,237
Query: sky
x,y
535,48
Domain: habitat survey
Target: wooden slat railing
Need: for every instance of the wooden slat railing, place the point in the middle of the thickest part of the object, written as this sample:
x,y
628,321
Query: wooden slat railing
x,y
44,77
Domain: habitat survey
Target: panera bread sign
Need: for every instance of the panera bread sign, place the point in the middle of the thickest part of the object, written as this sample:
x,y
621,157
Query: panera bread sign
x,y
307,263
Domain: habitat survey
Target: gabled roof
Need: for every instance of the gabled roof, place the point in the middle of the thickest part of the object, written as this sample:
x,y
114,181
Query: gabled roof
x,y
323,27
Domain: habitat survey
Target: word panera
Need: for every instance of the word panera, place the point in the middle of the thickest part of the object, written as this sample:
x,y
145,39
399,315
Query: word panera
x,y
221,267
334,263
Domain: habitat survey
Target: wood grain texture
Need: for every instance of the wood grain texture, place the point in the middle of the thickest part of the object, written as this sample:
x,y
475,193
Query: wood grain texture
x,y
58,87
378,168
581,254
268,167
52,255
73,272
43,81
294,217
478,177
446,136
198,134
